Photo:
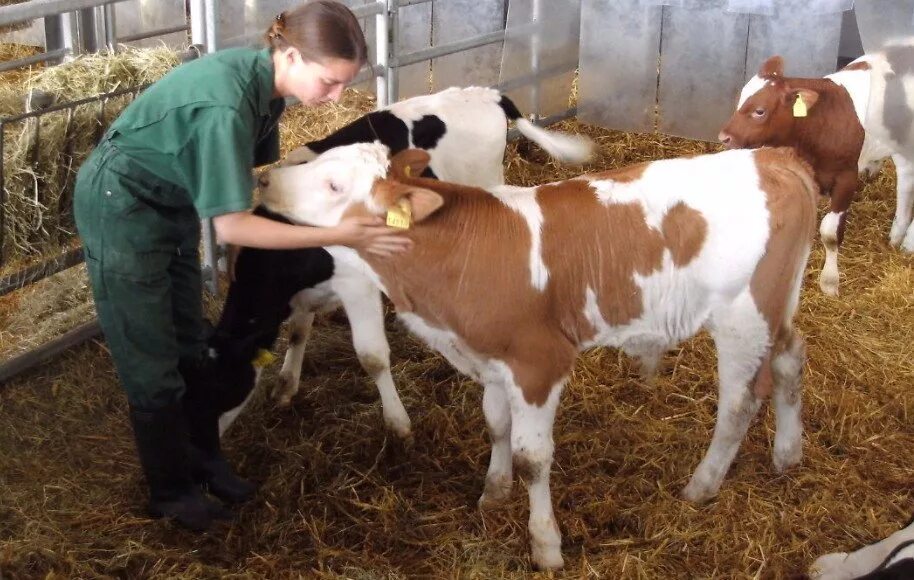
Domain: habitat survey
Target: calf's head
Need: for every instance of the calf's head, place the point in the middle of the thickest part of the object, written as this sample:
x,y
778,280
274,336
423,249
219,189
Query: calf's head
x,y
765,112
357,179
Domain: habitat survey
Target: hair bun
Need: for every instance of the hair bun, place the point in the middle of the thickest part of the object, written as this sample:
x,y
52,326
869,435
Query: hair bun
x,y
278,27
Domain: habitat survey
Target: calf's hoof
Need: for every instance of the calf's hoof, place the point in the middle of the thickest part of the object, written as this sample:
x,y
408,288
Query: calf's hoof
x,y
829,285
547,557
788,457
698,492
829,567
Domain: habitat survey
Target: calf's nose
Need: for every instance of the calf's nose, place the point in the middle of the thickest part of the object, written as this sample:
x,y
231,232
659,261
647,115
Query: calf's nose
x,y
724,138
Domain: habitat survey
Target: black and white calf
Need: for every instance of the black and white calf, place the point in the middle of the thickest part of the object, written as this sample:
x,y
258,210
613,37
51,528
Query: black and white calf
x,y
464,131
888,559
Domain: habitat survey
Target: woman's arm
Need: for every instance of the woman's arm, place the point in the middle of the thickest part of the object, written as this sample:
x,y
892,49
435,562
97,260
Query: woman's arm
x,y
367,234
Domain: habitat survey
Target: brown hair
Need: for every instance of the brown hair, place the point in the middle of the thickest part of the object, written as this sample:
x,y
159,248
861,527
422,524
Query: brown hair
x,y
319,29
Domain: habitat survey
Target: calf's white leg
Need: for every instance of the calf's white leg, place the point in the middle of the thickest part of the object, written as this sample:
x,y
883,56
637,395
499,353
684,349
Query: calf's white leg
x,y
301,322
499,478
741,336
532,448
362,302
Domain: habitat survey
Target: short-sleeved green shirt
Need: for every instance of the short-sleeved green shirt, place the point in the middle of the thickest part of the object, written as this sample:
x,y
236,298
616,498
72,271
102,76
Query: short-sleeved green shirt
x,y
204,126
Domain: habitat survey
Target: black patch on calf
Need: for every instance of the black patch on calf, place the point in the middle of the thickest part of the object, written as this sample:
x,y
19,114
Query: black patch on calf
x,y
258,303
381,126
510,109
427,131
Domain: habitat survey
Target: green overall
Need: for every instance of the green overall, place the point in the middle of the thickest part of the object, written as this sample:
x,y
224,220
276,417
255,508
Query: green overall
x,y
183,150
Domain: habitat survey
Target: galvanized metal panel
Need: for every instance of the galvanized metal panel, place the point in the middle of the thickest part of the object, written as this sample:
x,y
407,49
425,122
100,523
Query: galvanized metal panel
x,y
786,33
541,38
883,20
415,33
454,20
137,16
617,75
701,74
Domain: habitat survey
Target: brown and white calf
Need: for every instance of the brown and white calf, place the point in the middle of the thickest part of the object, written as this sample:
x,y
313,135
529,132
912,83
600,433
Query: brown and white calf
x,y
855,118
510,283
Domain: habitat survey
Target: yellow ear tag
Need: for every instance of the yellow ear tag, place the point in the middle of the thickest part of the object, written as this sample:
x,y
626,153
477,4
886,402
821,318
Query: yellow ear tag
x,y
799,106
263,358
407,171
400,216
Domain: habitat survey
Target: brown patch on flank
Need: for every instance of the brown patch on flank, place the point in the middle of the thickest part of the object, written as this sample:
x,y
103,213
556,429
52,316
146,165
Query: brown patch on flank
x,y
684,230
621,175
604,255
446,279
862,65
791,200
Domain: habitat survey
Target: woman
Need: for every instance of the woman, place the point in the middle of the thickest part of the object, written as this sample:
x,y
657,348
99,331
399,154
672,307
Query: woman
x,y
185,150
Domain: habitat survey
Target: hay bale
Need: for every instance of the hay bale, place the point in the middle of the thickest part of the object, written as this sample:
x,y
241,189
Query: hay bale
x,y
41,156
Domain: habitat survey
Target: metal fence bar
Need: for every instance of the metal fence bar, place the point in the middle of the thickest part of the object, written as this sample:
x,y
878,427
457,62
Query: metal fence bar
x,y
34,59
33,9
450,48
27,276
72,104
525,80
34,357
151,33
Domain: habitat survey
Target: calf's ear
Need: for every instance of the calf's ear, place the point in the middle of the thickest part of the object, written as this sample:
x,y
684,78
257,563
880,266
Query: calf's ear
x,y
409,163
422,202
809,98
774,66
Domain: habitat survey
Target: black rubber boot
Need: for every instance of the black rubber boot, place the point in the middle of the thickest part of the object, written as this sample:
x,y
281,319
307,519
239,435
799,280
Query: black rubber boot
x,y
208,466
161,440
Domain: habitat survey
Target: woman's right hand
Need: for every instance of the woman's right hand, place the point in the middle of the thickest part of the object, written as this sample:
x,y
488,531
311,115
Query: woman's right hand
x,y
371,235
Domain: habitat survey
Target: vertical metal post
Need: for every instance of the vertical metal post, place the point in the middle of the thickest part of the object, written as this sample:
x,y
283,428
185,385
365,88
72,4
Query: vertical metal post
x,y
88,32
204,30
535,45
393,68
197,22
58,33
110,27
212,26
382,48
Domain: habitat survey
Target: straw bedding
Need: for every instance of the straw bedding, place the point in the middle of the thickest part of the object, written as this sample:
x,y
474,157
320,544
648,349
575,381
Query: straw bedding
x,y
342,499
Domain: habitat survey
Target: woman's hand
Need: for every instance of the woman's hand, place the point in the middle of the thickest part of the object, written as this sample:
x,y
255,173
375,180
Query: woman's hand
x,y
371,235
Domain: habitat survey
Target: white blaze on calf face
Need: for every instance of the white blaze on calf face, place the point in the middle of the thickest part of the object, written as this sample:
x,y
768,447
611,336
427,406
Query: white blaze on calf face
x,y
319,193
754,85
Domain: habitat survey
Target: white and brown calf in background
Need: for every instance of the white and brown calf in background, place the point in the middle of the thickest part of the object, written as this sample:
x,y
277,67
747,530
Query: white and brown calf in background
x,y
510,283
855,118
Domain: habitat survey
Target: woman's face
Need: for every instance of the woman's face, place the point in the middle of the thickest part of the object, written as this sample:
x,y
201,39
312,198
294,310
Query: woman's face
x,y
312,82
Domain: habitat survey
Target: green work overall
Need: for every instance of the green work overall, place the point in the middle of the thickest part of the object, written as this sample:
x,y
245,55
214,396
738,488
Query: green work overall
x,y
184,150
